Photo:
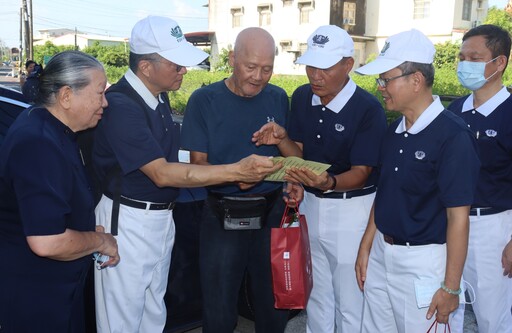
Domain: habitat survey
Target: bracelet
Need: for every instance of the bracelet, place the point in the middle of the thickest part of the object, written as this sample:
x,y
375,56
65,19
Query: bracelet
x,y
451,291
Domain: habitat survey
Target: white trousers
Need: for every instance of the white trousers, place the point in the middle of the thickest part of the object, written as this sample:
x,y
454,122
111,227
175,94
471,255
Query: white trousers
x,y
130,296
336,227
389,297
488,236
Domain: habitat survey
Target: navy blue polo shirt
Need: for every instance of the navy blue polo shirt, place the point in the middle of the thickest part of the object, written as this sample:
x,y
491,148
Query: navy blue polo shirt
x,y
346,132
424,170
125,138
43,191
492,125
219,123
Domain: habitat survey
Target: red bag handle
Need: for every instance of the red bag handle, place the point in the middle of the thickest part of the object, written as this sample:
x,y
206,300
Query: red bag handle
x,y
285,214
435,327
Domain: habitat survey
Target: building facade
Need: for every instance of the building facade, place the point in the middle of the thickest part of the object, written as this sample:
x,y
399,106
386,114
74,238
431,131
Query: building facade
x,y
369,22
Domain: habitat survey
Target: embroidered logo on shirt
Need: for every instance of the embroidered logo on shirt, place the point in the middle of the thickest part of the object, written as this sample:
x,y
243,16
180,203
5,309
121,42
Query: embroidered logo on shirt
x,y
491,133
270,119
419,155
339,127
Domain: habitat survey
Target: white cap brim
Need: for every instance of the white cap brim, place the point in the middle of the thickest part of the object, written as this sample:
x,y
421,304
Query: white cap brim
x,y
379,66
185,55
314,60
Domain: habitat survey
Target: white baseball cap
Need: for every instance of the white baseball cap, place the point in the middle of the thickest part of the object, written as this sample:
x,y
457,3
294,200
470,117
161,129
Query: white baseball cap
x,y
411,45
326,46
162,35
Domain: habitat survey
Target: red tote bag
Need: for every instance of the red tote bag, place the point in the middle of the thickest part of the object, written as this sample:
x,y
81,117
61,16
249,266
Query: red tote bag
x,y
290,258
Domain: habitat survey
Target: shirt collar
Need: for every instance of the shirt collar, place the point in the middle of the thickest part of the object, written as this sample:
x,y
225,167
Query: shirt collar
x,y
142,90
341,98
489,106
426,117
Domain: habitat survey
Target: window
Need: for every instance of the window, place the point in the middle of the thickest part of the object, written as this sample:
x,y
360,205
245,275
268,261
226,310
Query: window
x,y
303,47
287,3
421,9
286,45
236,16
466,10
265,11
349,13
305,7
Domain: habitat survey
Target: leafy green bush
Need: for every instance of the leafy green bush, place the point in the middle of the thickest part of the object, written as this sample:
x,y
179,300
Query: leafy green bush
x,y
114,73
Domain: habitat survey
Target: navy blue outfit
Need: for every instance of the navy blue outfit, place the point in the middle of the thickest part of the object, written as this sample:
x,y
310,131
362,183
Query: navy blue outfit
x,y
421,175
121,141
30,88
341,139
491,212
493,134
344,133
220,124
43,191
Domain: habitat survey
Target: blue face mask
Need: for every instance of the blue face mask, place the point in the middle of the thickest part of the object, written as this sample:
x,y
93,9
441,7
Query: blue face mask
x,y
471,74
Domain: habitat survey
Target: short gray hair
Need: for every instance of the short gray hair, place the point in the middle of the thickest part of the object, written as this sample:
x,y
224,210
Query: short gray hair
x,y
66,68
426,69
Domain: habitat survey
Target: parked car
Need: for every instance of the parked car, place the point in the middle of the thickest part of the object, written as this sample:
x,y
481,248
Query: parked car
x,y
12,103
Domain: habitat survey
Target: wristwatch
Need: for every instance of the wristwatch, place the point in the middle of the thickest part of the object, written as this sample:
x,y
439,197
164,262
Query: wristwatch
x,y
333,187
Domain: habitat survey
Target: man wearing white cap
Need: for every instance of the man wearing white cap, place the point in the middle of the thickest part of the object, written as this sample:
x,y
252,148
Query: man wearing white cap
x,y
135,155
335,122
412,254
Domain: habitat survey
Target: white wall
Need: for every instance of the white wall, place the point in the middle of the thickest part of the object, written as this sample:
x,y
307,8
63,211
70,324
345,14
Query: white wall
x,y
383,18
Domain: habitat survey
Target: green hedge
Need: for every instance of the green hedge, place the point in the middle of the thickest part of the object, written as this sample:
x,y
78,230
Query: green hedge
x,y
445,83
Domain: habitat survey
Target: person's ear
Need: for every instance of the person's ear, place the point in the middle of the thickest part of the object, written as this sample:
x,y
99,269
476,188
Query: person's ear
x,y
144,67
65,96
231,58
502,63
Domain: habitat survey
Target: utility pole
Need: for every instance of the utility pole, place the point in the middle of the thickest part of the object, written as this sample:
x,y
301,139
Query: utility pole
x,y
31,42
26,27
21,36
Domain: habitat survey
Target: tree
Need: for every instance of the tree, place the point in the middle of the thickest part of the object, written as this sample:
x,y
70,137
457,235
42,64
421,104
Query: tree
x,y
446,55
48,49
500,18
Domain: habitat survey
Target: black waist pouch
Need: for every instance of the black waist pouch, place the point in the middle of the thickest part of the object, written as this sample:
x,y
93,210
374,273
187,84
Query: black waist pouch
x,y
240,213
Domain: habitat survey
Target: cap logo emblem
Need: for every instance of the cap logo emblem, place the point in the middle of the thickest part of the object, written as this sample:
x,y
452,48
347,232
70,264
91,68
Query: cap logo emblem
x,y
177,33
320,40
419,155
384,48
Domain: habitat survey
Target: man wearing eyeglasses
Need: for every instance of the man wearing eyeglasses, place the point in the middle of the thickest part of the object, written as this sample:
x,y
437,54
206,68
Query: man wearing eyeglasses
x,y
412,254
483,57
336,122
135,155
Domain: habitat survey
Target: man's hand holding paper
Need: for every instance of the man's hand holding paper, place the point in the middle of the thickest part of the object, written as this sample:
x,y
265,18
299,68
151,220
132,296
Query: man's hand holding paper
x,y
296,169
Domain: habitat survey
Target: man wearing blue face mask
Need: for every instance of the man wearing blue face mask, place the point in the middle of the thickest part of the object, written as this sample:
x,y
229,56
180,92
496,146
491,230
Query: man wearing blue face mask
x,y
483,58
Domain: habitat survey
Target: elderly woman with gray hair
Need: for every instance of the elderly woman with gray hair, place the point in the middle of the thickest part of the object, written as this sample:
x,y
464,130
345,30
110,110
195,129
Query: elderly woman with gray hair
x,y
47,223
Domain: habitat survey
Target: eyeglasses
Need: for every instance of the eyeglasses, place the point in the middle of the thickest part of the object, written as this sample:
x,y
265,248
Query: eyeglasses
x,y
384,82
179,68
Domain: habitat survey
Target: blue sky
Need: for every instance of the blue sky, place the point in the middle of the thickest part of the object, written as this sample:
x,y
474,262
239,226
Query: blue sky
x,y
111,17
